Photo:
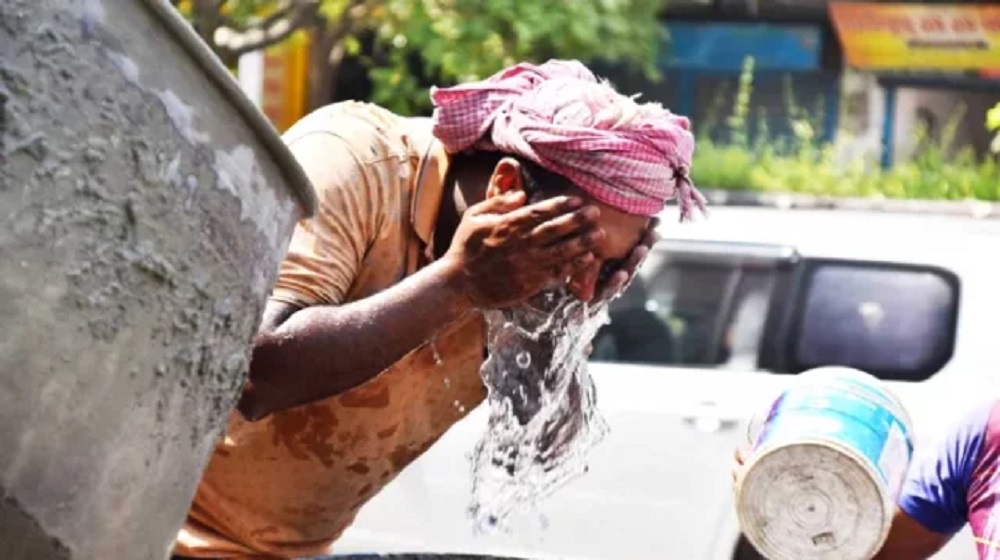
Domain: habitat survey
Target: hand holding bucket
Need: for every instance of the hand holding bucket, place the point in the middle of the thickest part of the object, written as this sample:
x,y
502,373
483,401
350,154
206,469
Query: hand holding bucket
x,y
820,477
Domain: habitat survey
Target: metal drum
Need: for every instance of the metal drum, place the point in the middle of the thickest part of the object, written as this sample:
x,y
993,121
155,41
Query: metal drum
x,y
146,205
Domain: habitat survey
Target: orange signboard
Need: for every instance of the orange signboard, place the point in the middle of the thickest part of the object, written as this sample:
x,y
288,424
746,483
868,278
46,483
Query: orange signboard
x,y
918,36
285,70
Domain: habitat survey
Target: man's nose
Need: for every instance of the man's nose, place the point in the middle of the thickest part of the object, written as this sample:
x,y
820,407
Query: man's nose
x,y
583,285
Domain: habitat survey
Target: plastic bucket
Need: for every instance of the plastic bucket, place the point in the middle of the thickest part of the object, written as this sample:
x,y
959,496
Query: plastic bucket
x,y
825,468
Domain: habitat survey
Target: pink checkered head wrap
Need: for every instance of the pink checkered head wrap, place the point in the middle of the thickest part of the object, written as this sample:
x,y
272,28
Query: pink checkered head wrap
x,y
632,156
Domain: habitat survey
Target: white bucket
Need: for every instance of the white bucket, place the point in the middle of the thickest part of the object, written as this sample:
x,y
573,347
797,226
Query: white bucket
x,y
825,468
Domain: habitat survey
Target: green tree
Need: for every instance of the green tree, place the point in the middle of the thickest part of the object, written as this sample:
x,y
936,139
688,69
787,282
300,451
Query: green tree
x,y
993,125
236,27
453,40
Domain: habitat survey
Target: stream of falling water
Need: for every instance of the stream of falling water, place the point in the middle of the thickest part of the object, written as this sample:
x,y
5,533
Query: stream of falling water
x,y
543,418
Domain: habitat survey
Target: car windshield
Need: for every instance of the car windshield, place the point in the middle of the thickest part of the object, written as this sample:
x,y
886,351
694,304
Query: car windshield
x,y
683,310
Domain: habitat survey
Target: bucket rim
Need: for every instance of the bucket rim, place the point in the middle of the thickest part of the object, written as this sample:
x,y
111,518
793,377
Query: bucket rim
x,y
205,59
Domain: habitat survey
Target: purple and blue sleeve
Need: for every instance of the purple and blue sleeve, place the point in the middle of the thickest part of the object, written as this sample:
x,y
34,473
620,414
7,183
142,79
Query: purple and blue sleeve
x,y
937,485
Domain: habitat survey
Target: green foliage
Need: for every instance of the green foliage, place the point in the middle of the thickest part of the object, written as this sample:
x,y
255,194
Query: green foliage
x,y
938,171
453,40
993,125
242,12
460,40
930,175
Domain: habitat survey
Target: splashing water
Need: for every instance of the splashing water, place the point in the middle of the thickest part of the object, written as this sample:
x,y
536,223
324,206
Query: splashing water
x,y
437,355
542,405
524,360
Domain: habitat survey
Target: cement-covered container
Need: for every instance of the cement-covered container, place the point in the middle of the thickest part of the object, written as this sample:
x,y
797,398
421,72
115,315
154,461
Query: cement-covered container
x,y
145,204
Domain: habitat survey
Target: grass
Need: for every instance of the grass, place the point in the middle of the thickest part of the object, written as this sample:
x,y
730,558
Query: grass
x,y
931,175
805,165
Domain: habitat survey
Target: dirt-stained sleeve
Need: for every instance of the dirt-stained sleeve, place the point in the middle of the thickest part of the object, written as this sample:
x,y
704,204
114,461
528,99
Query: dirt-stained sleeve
x,y
326,251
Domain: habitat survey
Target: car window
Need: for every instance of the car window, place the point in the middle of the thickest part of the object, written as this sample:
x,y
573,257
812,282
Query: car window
x,y
897,323
741,340
690,313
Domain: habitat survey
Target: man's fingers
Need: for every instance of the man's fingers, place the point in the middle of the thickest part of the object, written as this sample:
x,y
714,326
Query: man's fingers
x,y
502,204
620,278
651,236
528,217
561,226
575,265
567,249
614,285
635,260
739,456
564,267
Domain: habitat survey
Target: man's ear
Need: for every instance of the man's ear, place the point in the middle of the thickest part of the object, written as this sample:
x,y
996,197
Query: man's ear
x,y
506,178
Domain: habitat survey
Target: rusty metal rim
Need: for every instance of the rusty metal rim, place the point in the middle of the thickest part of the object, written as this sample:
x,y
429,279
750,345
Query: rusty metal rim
x,y
258,123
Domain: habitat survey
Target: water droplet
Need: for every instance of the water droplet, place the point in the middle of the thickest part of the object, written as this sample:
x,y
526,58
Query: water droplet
x,y
437,356
523,360
447,382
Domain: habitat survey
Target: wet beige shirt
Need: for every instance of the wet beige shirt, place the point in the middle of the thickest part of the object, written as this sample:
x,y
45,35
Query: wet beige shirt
x,y
288,485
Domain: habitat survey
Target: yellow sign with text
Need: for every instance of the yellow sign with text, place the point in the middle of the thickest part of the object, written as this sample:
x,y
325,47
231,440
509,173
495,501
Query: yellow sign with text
x,y
918,36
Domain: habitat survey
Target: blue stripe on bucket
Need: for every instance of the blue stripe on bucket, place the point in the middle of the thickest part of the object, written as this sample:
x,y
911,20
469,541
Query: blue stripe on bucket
x,y
854,420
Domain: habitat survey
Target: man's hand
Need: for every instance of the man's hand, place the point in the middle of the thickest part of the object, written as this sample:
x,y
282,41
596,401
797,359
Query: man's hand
x,y
739,460
504,252
620,278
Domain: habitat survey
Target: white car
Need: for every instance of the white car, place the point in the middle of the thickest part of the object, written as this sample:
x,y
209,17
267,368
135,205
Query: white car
x,y
722,312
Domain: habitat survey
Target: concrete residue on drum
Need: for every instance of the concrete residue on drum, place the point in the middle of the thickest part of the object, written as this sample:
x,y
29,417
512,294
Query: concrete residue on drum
x,y
237,169
22,537
135,269
238,173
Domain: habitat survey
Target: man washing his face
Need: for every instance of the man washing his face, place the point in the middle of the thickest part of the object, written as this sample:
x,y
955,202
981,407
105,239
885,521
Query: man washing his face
x,y
539,177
